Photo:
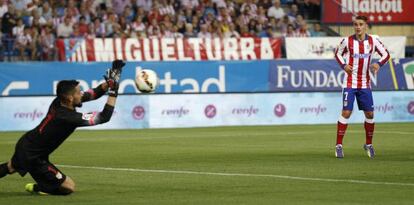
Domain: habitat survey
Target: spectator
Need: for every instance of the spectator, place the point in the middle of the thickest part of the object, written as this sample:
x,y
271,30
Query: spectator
x,y
266,4
4,7
253,7
99,27
24,43
276,11
21,5
283,24
204,32
45,11
111,24
128,14
35,17
154,14
18,30
91,31
246,15
153,26
8,21
138,25
293,12
166,31
232,32
120,5
65,29
166,8
244,32
124,28
317,31
191,4
303,30
56,20
76,32
290,32
224,16
261,15
71,9
83,26
47,43
189,32
175,33
83,11
298,21
209,8
145,5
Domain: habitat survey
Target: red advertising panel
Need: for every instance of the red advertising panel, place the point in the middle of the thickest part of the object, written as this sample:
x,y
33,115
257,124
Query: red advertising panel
x,y
168,49
377,11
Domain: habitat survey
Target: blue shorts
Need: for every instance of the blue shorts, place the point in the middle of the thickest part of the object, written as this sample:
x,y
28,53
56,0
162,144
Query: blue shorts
x,y
363,96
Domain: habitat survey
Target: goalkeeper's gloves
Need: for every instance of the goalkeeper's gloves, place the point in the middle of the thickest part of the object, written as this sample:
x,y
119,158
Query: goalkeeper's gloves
x,y
113,85
112,77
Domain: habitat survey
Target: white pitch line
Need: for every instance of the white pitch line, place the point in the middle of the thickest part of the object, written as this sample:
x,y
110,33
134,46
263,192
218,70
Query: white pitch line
x,y
239,175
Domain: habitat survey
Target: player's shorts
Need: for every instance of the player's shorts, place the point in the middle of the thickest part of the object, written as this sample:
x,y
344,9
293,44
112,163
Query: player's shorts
x,y
363,96
47,176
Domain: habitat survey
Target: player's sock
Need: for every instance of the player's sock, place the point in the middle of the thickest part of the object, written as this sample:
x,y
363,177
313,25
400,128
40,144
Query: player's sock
x,y
341,128
369,130
4,170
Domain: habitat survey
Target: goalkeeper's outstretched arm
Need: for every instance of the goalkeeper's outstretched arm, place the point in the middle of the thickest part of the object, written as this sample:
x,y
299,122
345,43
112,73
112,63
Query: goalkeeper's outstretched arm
x,y
95,93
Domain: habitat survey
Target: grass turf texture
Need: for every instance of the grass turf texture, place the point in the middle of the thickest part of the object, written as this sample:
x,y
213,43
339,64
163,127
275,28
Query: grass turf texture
x,y
297,151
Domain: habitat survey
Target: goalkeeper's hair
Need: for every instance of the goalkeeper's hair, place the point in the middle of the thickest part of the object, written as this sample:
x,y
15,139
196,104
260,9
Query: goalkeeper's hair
x,y
66,87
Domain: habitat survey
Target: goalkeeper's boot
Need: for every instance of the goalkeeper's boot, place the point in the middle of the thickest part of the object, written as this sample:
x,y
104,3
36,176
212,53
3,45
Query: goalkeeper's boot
x,y
33,189
339,152
370,150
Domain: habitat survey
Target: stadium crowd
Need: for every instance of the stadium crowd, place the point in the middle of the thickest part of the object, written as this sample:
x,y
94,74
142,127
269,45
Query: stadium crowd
x,y
29,28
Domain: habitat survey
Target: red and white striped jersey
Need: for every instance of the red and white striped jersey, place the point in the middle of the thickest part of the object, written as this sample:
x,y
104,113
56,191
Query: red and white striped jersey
x,y
358,54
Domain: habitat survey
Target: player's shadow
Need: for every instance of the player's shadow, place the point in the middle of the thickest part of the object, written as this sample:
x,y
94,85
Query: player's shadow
x,y
4,195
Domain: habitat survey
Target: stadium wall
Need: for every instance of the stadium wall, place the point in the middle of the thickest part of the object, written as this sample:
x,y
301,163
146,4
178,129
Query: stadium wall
x,y
38,78
234,93
195,110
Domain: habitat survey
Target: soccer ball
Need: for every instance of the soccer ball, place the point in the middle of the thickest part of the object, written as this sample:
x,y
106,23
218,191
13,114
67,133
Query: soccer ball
x,y
146,81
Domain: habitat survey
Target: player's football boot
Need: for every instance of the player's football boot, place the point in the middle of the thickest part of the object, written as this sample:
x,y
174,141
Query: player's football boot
x,y
339,152
370,150
30,187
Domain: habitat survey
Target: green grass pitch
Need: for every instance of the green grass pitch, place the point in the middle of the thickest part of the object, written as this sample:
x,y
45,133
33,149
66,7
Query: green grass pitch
x,y
227,165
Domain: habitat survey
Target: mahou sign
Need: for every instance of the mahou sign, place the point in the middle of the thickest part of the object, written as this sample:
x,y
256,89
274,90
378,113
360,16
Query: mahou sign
x,y
377,11
168,49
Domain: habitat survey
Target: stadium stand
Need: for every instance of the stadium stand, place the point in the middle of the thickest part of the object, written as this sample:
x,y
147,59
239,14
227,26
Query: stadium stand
x,y
29,27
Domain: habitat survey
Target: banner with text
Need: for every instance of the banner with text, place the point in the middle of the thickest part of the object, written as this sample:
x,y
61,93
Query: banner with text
x,y
377,11
203,77
168,49
324,47
195,110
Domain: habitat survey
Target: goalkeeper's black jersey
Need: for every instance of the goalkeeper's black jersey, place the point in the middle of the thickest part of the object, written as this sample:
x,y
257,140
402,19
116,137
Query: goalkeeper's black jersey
x,y
58,124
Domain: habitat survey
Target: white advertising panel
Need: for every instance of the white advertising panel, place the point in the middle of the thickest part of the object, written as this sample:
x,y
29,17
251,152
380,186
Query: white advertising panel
x,y
324,47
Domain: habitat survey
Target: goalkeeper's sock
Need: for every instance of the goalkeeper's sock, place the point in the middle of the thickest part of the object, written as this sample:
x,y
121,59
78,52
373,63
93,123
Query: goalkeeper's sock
x,y
369,130
341,128
4,170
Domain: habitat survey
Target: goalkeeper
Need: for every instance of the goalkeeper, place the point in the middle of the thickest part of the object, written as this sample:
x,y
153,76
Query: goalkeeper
x,y
34,147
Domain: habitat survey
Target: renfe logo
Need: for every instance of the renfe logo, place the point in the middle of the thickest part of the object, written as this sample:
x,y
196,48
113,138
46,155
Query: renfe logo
x,y
29,115
410,107
279,110
384,108
138,112
210,111
245,111
316,110
176,112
